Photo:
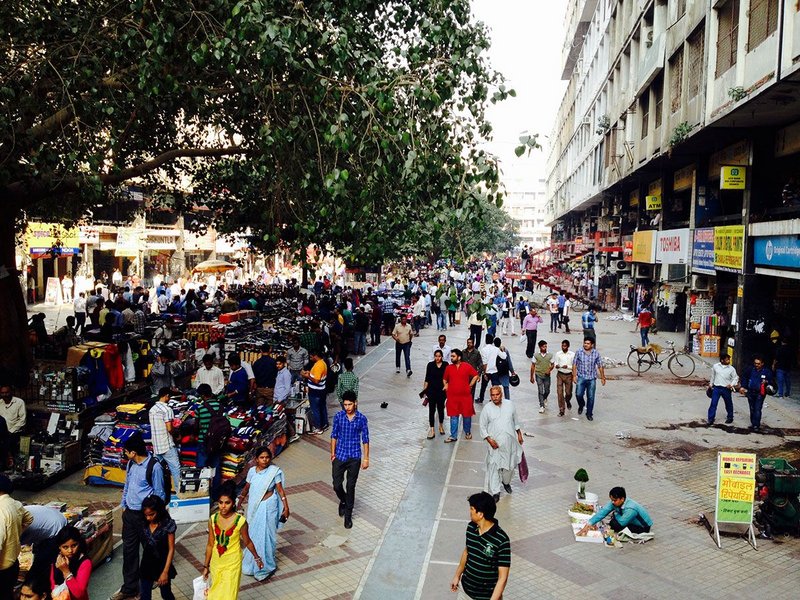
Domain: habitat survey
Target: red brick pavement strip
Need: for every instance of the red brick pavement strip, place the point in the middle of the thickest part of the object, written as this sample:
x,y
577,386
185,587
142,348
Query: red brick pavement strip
x,y
304,570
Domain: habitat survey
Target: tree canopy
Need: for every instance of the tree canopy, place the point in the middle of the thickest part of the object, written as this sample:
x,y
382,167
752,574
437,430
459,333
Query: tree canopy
x,y
337,122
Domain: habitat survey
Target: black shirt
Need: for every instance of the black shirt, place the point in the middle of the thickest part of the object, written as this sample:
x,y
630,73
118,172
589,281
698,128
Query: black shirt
x,y
435,377
265,371
485,554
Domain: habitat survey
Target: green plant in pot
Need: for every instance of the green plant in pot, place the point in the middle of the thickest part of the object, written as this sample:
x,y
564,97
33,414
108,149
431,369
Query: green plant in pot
x,y
581,476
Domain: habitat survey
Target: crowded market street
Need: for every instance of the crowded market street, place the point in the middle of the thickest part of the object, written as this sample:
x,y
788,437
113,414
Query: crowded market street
x,y
411,510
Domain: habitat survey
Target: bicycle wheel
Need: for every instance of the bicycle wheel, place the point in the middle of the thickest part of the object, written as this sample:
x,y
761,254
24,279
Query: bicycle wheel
x,y
639,363
681,365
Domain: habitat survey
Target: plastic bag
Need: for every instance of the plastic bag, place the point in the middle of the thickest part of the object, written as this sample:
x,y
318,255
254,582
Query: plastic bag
x,y
523,469
61,592
201,587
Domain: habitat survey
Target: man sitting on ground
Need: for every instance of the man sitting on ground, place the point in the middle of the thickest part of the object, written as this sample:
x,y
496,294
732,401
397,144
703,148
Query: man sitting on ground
x,y
627,513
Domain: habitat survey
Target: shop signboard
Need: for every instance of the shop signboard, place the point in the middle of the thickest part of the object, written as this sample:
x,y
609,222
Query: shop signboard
x,y
733,178
737,154
673,247
52,292
729,248
644,247
653,202
777,251
634,198
129,241
736,487
683,179
87,234
703,251
41,237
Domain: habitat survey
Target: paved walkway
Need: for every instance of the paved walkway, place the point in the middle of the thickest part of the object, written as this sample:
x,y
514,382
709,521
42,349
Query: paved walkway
x,y
411,507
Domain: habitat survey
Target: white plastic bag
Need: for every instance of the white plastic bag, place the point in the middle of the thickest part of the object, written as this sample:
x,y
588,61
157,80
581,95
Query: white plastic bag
x,y
201,586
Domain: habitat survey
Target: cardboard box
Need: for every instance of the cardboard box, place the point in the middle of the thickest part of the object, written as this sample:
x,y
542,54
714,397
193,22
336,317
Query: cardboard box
x,y
189,510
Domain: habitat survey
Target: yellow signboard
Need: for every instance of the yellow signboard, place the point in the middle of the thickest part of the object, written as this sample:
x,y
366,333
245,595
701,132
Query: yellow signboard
x,y
40,237
729,248
653,202
683,179
736,486
634,198
733,178
644,247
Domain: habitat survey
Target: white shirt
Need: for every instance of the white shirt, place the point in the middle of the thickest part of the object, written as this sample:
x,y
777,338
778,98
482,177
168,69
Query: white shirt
x,y
213,377
489,354
723,375
419,307
552,304
563,361
248,369
445,352
79,304
13,413
567,304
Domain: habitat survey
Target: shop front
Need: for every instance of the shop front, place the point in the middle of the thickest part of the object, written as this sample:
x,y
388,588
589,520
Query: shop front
x,y
644,259
672,257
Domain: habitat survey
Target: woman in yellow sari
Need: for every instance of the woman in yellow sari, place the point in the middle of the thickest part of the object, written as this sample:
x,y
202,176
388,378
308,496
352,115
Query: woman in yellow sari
x,y
227,534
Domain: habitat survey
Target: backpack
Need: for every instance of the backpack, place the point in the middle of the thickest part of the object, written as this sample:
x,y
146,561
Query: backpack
x,y
219,430
165,473
502,365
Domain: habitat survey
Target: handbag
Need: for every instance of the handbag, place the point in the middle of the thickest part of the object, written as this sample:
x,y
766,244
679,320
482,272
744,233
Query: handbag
x,y
523,469
424,398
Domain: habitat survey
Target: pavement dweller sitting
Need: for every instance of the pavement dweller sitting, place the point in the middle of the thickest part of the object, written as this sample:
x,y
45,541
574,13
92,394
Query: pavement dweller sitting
x,y
627,513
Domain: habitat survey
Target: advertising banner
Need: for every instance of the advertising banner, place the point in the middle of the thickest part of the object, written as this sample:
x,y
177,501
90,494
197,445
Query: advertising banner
x,y
733,178
129,241
729,248
736,486
41,237
673,247
777,251
644,247
703,251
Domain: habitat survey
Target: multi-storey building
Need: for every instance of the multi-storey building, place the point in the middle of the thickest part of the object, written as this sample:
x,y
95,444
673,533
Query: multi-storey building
x,y
528,209
676,153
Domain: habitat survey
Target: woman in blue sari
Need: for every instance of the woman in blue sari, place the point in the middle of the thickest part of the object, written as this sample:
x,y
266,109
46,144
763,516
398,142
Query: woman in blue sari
x,y
267,510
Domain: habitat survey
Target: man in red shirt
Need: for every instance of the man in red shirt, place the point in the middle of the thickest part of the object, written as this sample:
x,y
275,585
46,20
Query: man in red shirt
x,y
644,323
459,379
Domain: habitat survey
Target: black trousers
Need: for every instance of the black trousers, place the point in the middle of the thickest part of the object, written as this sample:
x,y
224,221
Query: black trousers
x,y
8,580
631,527
530,348
475,334
436,404
80,322
133,523
346,493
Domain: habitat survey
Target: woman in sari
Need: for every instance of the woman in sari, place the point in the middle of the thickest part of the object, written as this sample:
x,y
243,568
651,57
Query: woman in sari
x,y
267,511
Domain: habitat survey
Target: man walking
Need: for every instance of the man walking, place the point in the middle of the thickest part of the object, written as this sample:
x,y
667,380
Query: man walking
x,y
350,433
585,367
783,363
475,328
161,416
724,379
486,559
442,346
757,380
562,362
316,379
472,356
402,335
347,381
643,323
142,479
565,311
541,368
502,430
588,320
529,329
552,307
562,299
79,305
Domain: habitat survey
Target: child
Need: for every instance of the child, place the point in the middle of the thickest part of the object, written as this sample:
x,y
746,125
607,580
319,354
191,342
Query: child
x,y
227,533
35,588
158,540
69,576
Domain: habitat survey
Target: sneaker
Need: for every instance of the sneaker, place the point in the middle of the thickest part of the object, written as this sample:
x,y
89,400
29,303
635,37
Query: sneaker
x,y
507,487
589,417
120,595
294,438
569,405
728,421
709,423
561,413
541,410
580,410
409,373
316,432
397,370
496,497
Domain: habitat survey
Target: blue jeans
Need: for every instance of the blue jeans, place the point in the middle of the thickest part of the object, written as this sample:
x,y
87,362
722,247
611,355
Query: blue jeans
x,y
171,458
756,402
210,460
644,331
492,328
784,382
406,350
441,320
554,322
317,400
454,426
360,342
716,392
587,387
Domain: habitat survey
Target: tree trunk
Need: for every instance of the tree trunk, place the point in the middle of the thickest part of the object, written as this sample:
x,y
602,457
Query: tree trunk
x,y
15,357
304,263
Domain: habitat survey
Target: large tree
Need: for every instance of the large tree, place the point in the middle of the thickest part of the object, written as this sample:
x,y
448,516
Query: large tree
x,y
336,122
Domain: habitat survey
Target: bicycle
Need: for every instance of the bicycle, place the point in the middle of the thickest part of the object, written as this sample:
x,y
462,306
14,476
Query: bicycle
x,y
679,363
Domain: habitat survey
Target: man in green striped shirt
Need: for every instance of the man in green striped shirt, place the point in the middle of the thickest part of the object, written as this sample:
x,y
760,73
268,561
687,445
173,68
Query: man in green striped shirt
x,y
347,380
486,560
209,405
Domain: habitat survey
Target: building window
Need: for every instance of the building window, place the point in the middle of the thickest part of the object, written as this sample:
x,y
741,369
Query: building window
x,y
763,21
658,96
694,68
727,38
644,104
680,9
675,80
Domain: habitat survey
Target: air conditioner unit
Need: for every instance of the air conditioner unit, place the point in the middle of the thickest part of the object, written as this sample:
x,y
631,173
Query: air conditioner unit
x,y
622,266
700,283
644,271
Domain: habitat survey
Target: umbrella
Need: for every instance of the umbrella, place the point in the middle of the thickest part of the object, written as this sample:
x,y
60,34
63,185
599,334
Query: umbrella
x,y
213,266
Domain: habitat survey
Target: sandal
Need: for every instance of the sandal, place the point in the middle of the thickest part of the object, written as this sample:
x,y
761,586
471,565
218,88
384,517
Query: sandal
x,y
450,440
431,435
441,429
468,436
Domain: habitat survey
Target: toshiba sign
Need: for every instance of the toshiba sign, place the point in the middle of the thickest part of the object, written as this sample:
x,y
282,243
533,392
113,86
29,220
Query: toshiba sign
x,y
672,247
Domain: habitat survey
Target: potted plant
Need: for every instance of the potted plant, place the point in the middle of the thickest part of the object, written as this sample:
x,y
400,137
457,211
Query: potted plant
x,y
581,476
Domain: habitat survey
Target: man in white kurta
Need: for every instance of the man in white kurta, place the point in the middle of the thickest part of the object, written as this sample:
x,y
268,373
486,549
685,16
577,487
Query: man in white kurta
x,y
500,429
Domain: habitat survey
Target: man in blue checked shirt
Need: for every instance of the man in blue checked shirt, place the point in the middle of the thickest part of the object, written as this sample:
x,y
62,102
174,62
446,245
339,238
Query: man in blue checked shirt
x,y
585,367
350,432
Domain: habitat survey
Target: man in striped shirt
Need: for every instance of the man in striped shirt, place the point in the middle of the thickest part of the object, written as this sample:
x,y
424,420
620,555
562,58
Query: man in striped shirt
x,y
208,406
316,379
347,380
486,559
